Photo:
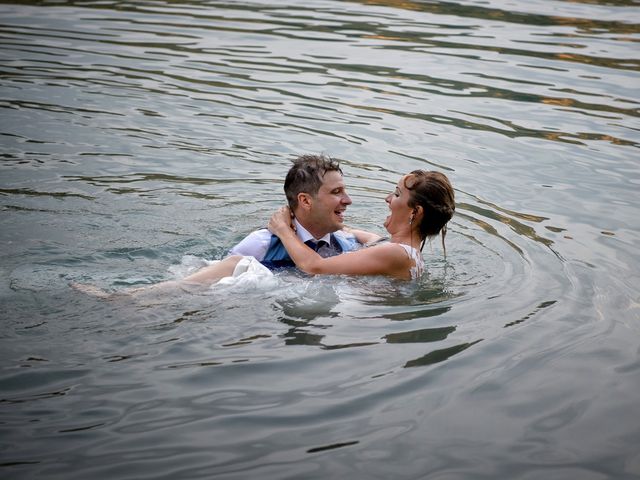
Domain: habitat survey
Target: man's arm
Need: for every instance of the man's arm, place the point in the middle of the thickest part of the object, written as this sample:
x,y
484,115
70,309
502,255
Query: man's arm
x,y
362,236
255,244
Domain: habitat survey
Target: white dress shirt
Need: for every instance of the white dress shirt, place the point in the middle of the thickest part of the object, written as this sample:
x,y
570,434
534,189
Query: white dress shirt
x,y
257,242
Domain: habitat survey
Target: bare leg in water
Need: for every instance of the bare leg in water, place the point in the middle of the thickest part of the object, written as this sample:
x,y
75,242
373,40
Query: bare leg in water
x,y
204,277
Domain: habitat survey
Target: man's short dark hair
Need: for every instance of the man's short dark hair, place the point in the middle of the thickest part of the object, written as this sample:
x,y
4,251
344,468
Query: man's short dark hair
x,y
305,176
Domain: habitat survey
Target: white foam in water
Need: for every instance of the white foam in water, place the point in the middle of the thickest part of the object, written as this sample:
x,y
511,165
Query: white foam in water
x,y
249,275
188,264
307,293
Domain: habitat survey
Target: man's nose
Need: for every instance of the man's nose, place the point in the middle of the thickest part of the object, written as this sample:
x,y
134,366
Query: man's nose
x,y
346,199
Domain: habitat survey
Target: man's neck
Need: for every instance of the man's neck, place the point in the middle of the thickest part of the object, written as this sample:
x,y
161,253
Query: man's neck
x,y
314,233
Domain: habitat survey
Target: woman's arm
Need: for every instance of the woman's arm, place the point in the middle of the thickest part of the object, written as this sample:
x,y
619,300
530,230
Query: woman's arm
x,y
385,259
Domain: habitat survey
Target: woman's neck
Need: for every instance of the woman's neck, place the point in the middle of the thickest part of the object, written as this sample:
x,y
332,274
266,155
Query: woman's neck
x,y
408,238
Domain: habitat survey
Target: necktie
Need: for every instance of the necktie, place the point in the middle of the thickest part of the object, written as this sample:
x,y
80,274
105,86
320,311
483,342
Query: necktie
x,y
315,246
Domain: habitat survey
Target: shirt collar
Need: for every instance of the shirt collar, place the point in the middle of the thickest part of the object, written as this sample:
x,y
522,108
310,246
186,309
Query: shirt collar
x,y
304,234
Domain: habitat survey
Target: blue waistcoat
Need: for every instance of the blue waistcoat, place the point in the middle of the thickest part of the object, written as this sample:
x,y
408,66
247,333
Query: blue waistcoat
x,y
277,256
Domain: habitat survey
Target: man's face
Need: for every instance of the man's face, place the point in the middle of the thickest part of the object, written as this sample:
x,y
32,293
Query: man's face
x,y
327,211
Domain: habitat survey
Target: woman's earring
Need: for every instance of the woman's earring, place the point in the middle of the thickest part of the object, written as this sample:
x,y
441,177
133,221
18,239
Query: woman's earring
x,y
411,220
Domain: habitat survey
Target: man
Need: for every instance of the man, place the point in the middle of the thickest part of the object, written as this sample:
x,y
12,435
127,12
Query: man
x,y
316,195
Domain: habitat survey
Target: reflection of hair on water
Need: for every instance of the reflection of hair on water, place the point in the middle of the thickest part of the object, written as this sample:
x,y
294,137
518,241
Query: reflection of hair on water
x,y
438,356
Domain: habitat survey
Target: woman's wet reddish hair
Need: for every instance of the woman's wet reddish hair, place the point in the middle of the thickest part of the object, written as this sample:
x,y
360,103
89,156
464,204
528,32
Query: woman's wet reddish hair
x,y
433,192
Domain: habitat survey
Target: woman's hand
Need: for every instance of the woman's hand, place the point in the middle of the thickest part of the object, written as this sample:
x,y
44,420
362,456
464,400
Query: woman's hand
x,y
281,221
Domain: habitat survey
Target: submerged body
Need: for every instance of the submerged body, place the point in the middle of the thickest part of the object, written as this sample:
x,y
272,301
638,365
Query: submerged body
x,y
420,206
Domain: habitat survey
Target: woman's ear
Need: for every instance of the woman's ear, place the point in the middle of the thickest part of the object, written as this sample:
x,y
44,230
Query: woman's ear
x,y
418,211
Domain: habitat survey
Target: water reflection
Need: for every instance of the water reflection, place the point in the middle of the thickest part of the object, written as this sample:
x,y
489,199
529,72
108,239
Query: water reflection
x,y
517,226
29,192
490,13
420,336
332,446
534,312
136,135
438,356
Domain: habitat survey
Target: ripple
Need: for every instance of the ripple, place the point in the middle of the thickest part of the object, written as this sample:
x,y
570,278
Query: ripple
x,y
141,140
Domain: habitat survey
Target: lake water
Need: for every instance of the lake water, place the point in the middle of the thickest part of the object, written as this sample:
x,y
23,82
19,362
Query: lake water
x,y
140,138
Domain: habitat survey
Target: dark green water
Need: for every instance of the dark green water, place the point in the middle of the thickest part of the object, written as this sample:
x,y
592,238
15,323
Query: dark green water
x,y
139,138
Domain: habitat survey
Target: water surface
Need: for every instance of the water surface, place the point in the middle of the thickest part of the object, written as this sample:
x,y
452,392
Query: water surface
x,y
141,138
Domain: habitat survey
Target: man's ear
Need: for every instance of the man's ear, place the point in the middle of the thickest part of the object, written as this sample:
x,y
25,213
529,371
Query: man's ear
x,y
305,201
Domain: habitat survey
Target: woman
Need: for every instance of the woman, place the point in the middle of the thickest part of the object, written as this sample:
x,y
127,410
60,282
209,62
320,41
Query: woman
x,y
421,205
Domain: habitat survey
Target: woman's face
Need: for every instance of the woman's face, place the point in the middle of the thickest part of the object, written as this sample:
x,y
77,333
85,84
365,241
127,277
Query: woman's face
x,y
401,212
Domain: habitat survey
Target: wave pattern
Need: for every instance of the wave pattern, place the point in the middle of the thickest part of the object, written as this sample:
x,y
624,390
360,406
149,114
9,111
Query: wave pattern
x,y
139,138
